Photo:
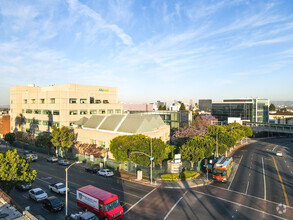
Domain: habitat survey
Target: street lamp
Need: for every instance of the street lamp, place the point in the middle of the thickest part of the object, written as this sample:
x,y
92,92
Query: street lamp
x,y
150,156
66,192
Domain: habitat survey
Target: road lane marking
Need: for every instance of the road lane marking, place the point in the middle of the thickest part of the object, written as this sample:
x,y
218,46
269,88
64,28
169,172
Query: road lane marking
x,y
139,201
72,193
230,190
126,203
25,196
166,216
280,178
126,193
247,188
42,180
236,203
235,172
264,180
274,148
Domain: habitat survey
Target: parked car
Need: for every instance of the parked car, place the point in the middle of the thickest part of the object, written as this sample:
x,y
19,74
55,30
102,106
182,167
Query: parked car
x,y
63,162
105,172
37,194
33,156
53,204
279,154
52,159
24,186
92,169
83,216
58,188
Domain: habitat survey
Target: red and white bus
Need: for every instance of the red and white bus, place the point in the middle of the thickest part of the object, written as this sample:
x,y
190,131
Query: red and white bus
x,y
104,204
222,169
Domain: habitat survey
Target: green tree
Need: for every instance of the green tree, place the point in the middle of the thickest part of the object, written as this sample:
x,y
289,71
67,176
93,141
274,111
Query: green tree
x,y
14,169
62,138
228,139
197,148
122,148
182,107
248,131
272,107
10,137
44,140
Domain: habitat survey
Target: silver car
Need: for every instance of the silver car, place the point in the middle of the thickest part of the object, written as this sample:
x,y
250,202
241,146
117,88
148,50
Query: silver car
x,y
37,194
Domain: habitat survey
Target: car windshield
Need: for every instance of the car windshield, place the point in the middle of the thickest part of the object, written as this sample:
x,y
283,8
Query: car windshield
x,y
55,201
112,205
219,172
61,186
39,192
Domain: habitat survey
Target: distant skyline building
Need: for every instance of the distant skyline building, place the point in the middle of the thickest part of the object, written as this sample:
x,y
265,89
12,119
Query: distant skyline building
x,y
39,108
251,109
205,105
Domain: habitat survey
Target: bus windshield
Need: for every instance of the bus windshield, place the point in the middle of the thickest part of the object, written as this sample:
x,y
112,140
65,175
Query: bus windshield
x,y
219,172
112,205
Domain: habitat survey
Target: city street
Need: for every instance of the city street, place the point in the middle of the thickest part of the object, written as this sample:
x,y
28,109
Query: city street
x,y
258,186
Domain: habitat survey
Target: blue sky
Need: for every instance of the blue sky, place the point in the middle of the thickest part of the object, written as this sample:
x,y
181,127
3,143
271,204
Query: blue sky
x,y
150,50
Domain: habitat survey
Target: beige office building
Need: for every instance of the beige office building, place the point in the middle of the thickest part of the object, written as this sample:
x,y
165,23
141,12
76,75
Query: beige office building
x,y
39,108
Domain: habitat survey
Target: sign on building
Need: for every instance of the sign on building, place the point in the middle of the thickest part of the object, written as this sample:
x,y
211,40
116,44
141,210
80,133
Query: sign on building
x,y
177,158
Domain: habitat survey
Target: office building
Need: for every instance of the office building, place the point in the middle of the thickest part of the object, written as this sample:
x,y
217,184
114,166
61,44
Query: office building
x,y
205,105
138,107
254,109
61,105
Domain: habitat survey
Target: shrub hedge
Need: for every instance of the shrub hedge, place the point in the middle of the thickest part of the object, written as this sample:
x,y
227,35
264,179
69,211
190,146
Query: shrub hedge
x,y
186,175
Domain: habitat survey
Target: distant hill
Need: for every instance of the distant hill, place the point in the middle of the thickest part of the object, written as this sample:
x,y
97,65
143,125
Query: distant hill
x,y
286,103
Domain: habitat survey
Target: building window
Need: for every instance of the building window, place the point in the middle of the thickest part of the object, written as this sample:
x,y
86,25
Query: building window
x,y
71,123
11,101
29,111
117,111
28,120
110,111
73,112
94,141
102,111
83,101
83,112
56,112
33,101
42,101
47,112
92,100
98,101
72,101
22,110
11,110
38,122
25,101
37,111
93,111
103,144
105,101
56,124
52,100
47,123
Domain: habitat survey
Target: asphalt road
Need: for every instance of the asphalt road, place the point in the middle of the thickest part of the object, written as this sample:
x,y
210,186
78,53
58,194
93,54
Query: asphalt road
x,y
259,184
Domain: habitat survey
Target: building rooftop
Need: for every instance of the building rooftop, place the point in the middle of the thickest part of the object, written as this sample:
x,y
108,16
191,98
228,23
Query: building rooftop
x,y
127,123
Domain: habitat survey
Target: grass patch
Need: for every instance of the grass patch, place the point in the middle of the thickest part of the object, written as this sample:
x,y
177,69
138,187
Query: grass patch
x,y
186,175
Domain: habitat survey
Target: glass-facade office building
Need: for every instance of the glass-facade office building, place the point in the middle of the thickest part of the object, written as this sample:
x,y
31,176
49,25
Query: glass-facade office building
x,y
254,110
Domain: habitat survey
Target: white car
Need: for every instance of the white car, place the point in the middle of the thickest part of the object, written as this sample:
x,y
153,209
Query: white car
x,y
52,159
279,154
58,188
33,157
63,162
105,172
37,194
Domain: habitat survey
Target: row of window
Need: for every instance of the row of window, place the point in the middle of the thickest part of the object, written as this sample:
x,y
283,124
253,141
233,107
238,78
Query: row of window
x,y
71,112
71,101
39,122
38,111
94,112
99,143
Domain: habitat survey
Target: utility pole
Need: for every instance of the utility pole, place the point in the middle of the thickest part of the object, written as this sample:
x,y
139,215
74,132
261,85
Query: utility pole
x,y
151,163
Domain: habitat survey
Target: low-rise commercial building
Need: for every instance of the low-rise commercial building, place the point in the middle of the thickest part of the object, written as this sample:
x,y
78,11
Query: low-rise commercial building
x,y
100,130
4,125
